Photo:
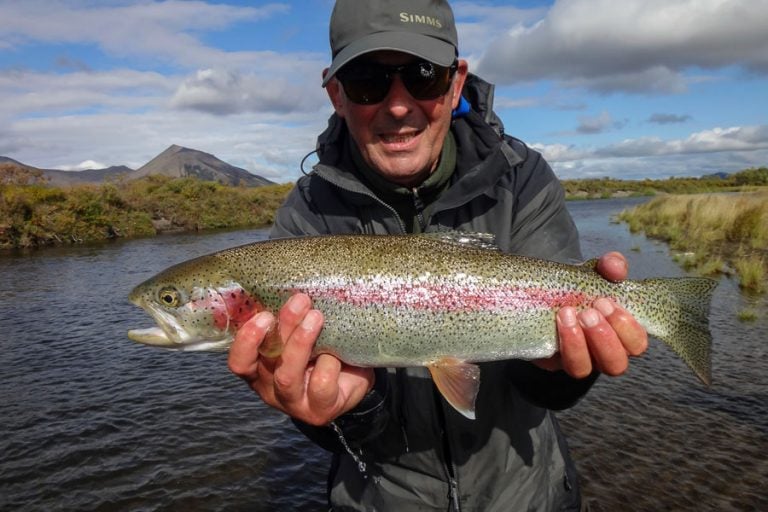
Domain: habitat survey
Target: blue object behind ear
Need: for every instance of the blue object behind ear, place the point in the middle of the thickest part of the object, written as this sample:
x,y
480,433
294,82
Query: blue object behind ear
x,y
462,109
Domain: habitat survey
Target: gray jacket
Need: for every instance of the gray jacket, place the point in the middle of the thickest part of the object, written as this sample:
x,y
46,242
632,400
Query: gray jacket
x,y
420,454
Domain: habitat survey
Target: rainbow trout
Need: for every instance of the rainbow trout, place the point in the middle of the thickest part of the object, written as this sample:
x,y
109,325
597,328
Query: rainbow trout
x,y
442,301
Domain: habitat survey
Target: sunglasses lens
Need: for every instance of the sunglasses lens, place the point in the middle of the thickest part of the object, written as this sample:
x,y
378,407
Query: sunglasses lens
x,y
368,83
365,84
426,81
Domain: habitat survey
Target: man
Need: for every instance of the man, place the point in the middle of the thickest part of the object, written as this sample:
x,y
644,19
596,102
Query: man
x,y
405,152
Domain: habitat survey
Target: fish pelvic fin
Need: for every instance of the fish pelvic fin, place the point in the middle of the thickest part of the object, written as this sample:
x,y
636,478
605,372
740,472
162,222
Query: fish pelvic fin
x,y
458,382
685,327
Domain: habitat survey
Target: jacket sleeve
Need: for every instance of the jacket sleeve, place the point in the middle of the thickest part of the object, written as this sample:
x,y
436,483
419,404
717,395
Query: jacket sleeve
x,y
297,216
543,228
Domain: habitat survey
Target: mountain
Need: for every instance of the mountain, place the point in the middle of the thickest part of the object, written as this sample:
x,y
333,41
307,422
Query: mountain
x,y
178,161
59,178
6,160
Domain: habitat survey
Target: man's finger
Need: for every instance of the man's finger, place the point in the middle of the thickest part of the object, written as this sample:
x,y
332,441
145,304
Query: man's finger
x,y
290,372
631,334
292,314
243,358
323,389
604,344
613,266
574,353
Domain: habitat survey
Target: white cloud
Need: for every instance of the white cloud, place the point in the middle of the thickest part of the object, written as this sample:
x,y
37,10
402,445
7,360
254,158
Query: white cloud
x,y
598,124
478,24
159,30
737,138
704,152
82,166
219,91
664,118
28,93
631,45
271,145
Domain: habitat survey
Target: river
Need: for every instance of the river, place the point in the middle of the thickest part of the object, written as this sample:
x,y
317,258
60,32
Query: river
x,y
92,421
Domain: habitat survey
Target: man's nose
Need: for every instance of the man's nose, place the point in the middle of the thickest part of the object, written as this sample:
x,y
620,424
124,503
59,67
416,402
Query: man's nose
x,y
398,101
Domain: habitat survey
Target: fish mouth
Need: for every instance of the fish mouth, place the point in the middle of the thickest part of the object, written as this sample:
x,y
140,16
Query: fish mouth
x,y
169,334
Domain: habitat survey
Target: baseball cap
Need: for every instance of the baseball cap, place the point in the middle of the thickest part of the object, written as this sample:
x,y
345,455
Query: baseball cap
x,y
424,28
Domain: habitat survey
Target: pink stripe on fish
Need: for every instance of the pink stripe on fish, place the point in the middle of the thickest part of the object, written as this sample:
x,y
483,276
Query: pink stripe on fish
x,y
447,297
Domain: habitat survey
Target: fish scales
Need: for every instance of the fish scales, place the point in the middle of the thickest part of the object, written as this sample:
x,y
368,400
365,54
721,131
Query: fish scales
x,y
404,300
361,287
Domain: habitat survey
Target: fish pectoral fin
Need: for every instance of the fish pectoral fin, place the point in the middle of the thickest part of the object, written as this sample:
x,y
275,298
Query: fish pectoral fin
x,y
272,344
458,382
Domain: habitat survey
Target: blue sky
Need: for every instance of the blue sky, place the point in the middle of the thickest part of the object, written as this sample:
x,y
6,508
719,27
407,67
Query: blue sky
x,y
629,89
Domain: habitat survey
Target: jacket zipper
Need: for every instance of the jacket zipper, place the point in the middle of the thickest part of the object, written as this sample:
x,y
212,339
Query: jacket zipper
x,y
450,465
367,194
451,470
418,206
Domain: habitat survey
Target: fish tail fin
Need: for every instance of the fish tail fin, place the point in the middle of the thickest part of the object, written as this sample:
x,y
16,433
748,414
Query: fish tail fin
x,y
679,316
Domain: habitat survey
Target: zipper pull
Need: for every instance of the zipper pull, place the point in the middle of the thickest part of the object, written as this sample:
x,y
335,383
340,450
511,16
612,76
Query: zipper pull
x,y
418,205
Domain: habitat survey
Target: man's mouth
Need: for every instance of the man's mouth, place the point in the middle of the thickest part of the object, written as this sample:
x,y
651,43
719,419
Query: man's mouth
x,y
399,138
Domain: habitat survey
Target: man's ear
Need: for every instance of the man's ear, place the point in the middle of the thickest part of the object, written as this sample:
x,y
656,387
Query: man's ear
x,y
458,81
333,89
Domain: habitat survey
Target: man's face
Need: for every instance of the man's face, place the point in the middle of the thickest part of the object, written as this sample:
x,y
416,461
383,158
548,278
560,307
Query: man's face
x,y
399,137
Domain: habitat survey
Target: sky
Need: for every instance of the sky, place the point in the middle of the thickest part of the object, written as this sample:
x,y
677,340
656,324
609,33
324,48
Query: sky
x,y
628,89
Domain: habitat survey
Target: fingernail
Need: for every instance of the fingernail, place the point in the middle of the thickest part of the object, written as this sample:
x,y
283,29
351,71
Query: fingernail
x,y
310,321
567,317
605,306
264,320
296,304
590,318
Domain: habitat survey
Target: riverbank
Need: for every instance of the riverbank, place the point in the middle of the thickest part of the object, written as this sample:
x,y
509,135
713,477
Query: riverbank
x,y
604,188
35,215
713,233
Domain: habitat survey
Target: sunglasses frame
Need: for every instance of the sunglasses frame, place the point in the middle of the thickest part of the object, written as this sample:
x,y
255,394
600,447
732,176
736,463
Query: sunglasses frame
x,y
387,75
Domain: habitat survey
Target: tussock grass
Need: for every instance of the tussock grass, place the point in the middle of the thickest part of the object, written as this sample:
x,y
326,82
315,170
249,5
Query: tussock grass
x,y
32,214
752,273
715,232
592,188
747,315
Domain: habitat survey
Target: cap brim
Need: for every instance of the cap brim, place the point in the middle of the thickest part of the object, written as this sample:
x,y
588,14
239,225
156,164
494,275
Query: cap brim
x,y
434,50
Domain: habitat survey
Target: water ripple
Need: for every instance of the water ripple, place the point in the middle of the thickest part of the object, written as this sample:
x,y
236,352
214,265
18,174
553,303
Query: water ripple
x,y
93,422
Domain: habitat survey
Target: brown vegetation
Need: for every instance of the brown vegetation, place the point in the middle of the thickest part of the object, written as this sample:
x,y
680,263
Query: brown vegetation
x,y
715,232
32,214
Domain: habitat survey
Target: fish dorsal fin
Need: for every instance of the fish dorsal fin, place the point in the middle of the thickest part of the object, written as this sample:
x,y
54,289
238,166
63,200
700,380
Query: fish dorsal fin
x,y
588,266
477,240
458,382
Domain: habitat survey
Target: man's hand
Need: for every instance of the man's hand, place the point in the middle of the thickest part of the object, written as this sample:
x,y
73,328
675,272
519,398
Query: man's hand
x,y
314,391
601,337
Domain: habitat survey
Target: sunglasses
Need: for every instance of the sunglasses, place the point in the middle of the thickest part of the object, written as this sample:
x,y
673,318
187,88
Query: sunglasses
x,y
368,83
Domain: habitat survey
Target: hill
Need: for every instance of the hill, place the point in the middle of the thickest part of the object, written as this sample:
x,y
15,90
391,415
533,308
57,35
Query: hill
x,y
181,162
174,162
59,178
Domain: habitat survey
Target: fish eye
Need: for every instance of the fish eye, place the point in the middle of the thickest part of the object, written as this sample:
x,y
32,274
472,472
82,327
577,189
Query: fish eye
x,y
169,297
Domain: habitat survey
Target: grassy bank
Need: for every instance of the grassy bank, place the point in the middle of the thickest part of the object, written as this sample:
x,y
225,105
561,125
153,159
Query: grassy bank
x,y
33,215
715,233
744,180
